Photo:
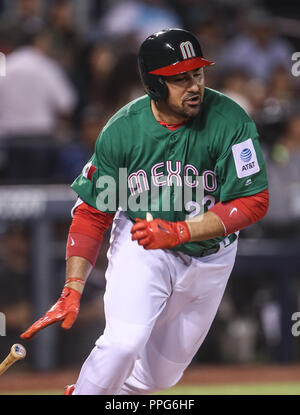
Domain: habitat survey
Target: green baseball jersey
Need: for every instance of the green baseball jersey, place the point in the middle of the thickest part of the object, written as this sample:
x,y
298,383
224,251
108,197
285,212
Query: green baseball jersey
x,y
141,166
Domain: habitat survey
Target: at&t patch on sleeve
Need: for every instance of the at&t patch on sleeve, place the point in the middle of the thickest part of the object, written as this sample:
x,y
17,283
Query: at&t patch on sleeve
x,y
245,159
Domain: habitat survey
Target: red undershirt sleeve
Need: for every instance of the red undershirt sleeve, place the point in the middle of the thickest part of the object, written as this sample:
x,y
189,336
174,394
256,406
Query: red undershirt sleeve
x,y
86,232
239,213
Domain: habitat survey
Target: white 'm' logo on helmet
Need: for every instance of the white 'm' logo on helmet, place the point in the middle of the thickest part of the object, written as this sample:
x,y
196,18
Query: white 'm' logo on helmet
x,y
187,50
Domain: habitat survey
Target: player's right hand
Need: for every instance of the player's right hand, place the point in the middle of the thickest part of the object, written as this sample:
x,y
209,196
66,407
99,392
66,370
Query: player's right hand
x,y
159,233
65,309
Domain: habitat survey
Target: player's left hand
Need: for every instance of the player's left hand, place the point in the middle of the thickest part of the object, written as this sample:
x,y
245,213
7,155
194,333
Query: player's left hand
x,y
65,309
159,233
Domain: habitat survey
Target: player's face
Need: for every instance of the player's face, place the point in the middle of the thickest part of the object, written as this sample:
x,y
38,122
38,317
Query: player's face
x,y
186,92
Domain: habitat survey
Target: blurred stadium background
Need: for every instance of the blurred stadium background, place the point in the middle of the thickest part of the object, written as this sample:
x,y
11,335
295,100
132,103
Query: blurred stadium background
x,y
69,66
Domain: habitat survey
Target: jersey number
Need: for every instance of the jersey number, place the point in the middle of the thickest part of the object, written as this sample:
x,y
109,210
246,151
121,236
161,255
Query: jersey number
x,y
194,208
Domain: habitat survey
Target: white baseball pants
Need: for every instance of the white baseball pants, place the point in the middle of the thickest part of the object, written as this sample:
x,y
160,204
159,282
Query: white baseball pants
x,y
159,306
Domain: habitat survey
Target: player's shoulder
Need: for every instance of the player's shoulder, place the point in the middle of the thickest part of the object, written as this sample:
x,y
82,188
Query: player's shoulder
x,y
222,108
119,130
128,112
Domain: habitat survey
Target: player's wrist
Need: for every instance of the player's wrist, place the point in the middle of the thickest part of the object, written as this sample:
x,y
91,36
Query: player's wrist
x,y
183,231
76,284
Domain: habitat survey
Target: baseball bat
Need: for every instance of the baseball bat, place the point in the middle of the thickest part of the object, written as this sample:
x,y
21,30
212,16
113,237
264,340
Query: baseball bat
x,y
17,352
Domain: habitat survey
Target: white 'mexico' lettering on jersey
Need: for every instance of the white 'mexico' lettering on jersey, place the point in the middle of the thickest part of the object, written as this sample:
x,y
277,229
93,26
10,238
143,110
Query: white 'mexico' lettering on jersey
x,y
187,169
187,50
157,175
174,173
137,178
209,181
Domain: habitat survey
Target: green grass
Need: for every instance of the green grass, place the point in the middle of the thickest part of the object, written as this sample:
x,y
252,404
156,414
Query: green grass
x,y
290,388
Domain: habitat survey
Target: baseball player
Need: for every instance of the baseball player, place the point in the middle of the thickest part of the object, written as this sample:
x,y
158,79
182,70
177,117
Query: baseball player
x,y
178,172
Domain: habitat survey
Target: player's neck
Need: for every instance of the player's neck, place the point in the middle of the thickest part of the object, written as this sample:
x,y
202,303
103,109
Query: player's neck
x,y
162,113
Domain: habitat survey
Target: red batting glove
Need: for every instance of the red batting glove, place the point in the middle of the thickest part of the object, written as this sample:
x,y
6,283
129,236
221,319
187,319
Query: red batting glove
x,y
160,234
66,309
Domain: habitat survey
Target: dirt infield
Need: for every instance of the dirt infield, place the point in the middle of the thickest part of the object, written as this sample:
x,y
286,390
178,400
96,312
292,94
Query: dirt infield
x,y
202,375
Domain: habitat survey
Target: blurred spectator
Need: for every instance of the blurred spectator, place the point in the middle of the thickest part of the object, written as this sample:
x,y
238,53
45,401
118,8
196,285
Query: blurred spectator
x,y
15,282
225,12
74,156
36,99
208,27
65,40
283,165
256,48
273,111
35,90
125,72
269,314
24,13
240,339
109,79
281,85
236,86
99,59
135,20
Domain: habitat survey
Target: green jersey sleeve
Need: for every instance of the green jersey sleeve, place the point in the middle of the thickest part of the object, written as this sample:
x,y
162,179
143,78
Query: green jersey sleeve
x,y
98,183
240,166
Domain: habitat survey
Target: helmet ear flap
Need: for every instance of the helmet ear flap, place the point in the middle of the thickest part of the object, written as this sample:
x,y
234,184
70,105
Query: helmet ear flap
x,y
156,88
155,85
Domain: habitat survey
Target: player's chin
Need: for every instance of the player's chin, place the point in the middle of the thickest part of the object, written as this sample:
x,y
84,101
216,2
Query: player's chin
x,y
191,110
